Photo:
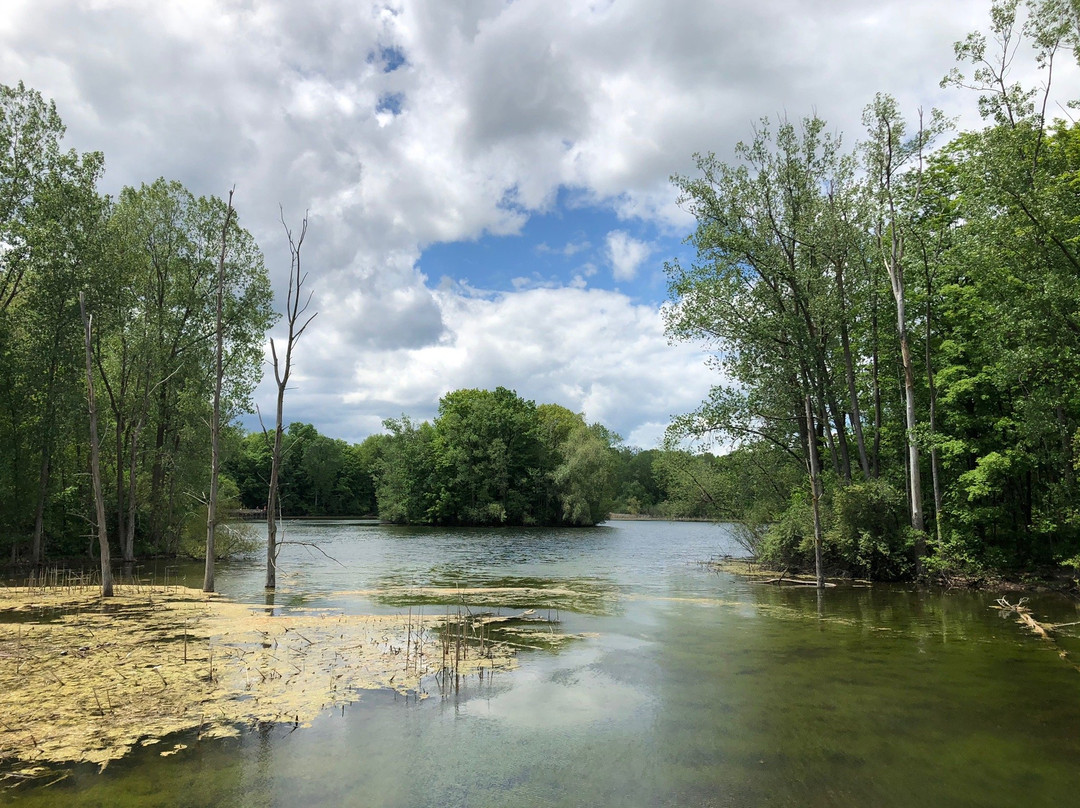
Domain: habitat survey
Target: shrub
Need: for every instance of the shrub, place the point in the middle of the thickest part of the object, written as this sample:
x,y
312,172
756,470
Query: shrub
x,y
868,532
231,538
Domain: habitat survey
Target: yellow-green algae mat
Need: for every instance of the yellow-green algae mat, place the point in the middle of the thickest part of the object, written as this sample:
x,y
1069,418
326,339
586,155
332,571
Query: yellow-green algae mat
x,y
84,679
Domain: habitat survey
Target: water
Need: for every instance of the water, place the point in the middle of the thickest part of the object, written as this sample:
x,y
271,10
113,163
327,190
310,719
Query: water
x,y
690,688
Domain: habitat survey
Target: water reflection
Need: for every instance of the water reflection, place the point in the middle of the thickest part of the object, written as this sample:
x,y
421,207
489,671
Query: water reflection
x,y
684,687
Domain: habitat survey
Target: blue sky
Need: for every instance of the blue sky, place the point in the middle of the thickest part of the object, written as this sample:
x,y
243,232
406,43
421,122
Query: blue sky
x,y
573,243
487,182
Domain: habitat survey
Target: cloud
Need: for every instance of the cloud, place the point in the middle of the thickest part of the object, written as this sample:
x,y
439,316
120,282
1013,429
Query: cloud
x,y
615,366
407,123
626,254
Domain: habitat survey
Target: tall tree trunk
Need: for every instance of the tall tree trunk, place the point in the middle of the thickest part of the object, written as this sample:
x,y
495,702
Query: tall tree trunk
x,y
215,418
121,511
157,476
294,310
934,472
95,459
133,471
855,416
814,467
909,413
876,383
37,545
37,548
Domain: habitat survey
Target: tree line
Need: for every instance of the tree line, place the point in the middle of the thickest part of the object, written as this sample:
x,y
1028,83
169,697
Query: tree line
x,y
527,464
146,265
897,322
490,457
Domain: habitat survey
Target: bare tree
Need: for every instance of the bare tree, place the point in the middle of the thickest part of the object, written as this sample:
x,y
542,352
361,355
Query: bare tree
x,y
95,458
294,313
215,422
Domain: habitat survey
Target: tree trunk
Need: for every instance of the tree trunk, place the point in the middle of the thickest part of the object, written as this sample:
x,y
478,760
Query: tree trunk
x,y
855,416
913,444
95,459
37,548
121,530
215,419
876,383
294,310
814,464
272,502
934,473
133,468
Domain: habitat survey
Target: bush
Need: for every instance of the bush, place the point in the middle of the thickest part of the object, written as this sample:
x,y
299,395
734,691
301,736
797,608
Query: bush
x,y
789,542
864,532
231,538
868,532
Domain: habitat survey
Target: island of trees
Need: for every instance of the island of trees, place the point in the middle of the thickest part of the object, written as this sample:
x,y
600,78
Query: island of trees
x,y
896,323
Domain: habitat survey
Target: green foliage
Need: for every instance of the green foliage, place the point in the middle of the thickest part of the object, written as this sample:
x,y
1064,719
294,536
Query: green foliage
x,y
789,542
868,532
146,264
405,489
487,459
493,458
980,242
320,476
233,538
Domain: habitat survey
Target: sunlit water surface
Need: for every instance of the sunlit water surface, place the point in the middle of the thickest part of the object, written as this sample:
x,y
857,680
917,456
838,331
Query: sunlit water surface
x,y
691,688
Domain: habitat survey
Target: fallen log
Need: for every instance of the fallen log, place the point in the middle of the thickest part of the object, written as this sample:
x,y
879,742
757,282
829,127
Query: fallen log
x,y
795,582
1041,630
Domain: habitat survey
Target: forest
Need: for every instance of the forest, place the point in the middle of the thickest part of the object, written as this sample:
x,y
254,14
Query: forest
x,y
895,325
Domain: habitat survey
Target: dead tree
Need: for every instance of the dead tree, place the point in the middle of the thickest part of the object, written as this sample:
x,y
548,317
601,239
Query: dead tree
x,y
294,313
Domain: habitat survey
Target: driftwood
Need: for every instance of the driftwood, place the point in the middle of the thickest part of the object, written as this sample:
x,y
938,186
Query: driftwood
x,y
1042,630
781,581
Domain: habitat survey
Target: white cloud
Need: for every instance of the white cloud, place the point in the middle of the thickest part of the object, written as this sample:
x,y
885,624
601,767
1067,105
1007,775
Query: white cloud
x,y
497,109
614,365
626,254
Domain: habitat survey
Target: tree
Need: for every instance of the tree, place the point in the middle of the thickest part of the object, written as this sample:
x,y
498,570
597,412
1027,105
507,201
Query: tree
x,y
215,418
894,165
50,229
297,324
487,455
95,457
405,472
579,460
162,341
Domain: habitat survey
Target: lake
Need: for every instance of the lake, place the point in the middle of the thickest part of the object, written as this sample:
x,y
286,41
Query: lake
x,y
681,686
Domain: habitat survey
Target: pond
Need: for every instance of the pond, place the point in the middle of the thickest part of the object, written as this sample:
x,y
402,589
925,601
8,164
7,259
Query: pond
x,y
686,687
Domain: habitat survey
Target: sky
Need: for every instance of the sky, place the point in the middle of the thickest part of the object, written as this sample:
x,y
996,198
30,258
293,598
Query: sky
x,y
487,182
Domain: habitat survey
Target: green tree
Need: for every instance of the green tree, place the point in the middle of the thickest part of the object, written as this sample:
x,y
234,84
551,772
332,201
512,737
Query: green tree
x,y
50,228
487,457
405,472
